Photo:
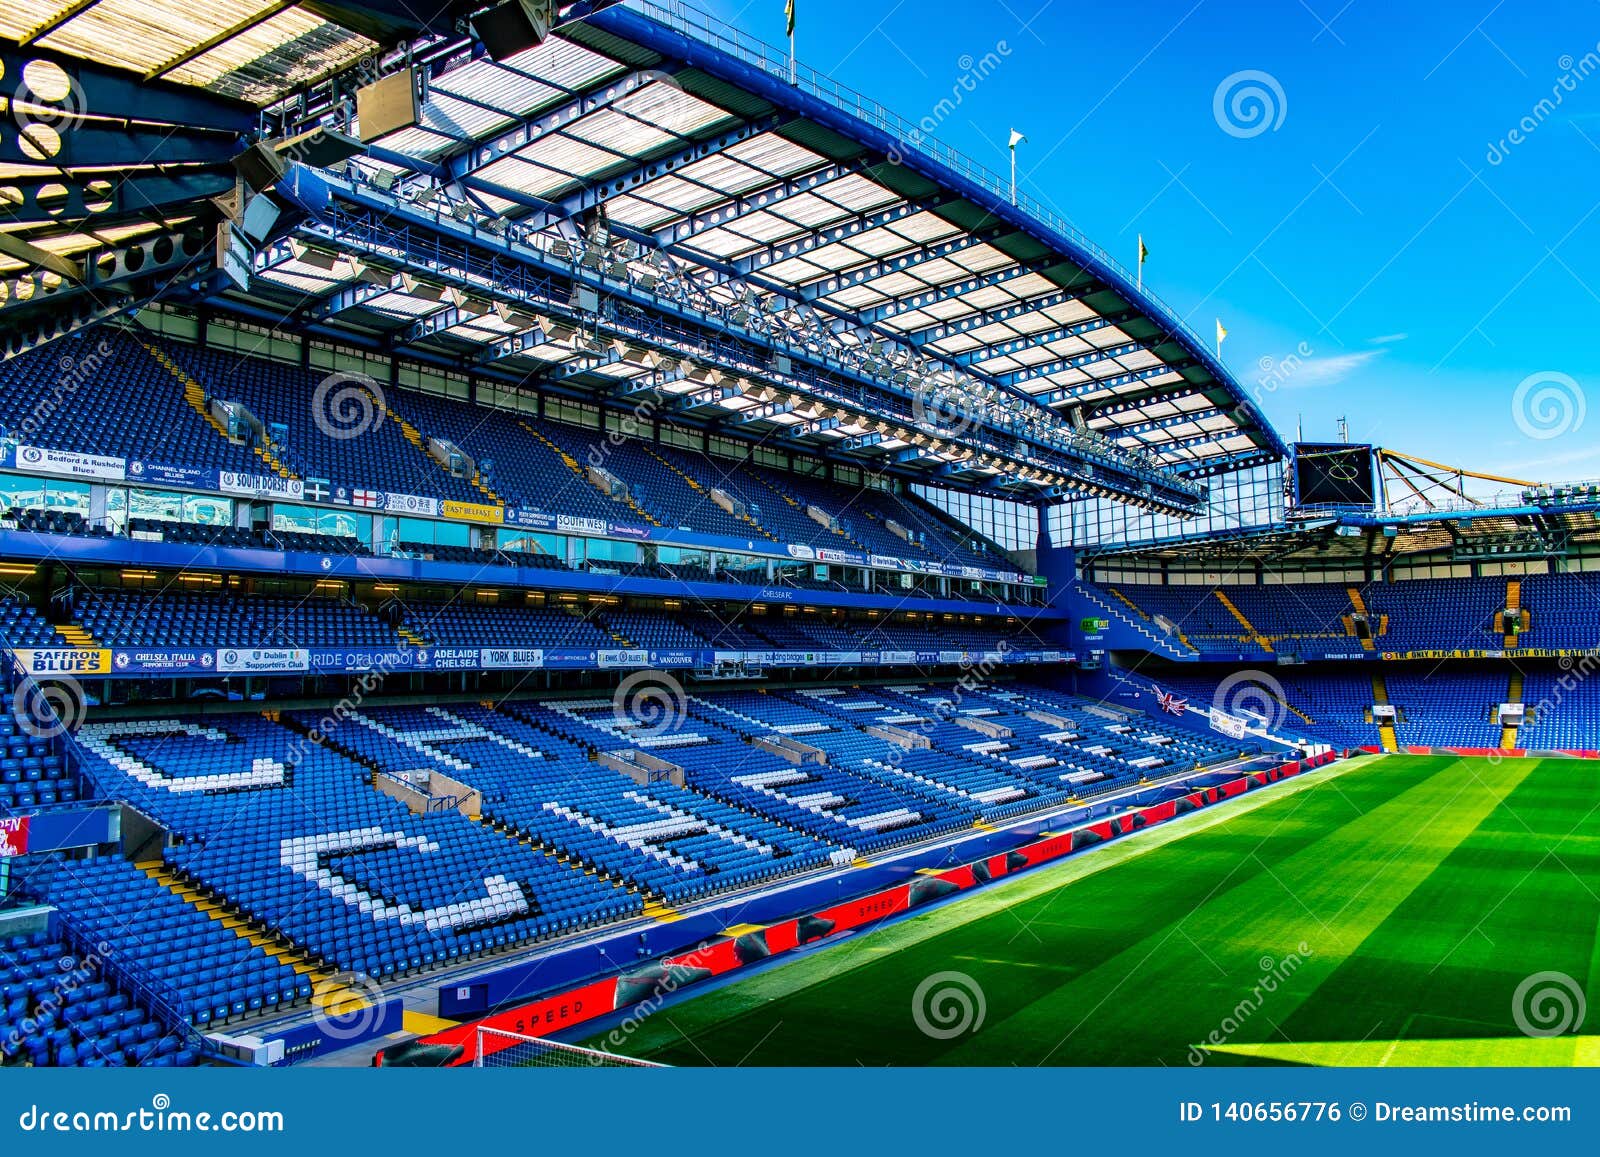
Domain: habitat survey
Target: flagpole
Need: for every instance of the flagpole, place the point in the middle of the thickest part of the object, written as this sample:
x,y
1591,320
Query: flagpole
x,y
792,79
1140,263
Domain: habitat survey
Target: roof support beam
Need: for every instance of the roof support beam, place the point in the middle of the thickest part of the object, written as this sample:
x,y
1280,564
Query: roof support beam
x,y
955,289
1042,338
934,333
603,188
554,120
899,263
810,240
1060,365
753,200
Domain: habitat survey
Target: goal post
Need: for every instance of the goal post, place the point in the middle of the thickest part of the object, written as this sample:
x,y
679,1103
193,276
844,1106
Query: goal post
x,y
495,1048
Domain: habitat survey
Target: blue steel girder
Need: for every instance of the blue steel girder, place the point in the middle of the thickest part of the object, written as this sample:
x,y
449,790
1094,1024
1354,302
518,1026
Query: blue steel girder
x,y
1075,362
344,298
766,412
1041,338
384,232
107,196
1170,422
955,289
810,240
1084,389
513,140
1238,460
945,329
93,144
901,262
602,188
115,94
1150,396
857,442
761,197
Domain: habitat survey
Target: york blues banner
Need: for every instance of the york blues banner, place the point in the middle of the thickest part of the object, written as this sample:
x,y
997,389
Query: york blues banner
x,y
201,662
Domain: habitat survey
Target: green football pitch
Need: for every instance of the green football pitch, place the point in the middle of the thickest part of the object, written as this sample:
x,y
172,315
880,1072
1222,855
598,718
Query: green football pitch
x,y
1383,911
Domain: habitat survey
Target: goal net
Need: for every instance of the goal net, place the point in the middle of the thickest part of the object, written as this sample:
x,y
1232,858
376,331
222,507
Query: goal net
x,y
496,1048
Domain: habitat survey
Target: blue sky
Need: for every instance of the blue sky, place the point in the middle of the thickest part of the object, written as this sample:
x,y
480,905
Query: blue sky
x,y
1386,249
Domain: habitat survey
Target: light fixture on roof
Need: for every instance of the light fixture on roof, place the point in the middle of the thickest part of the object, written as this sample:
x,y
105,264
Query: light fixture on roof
x,y
421,290
513,27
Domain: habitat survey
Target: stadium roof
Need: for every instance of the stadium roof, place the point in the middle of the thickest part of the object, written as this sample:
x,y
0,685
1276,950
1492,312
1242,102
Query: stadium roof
x,y
642,204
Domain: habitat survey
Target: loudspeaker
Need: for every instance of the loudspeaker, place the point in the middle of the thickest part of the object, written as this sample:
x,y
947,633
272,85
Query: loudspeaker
x,y
260,166
514,26
387,105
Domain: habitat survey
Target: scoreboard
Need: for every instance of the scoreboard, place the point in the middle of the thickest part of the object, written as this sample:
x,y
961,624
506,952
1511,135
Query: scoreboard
x,y
1334,474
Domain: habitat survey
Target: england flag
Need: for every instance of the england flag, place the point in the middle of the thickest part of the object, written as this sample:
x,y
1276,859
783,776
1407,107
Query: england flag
x,y
368,498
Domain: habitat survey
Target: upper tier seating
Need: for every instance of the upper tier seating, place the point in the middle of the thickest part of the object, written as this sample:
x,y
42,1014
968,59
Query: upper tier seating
x,y
137,619
136,407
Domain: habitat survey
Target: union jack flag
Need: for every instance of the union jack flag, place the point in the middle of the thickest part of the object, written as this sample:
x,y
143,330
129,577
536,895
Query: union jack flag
x,y
1169,702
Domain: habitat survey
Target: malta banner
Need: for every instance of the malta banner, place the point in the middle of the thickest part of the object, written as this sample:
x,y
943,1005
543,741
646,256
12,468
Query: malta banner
x,y
472,511
13,836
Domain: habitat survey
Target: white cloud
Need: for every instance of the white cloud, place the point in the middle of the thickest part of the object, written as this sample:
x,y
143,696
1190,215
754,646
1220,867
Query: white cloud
x,y
1315,372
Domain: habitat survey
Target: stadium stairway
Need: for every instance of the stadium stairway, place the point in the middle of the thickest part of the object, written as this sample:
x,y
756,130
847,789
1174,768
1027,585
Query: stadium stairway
x,y
1508,732
790,501
1359,605
195,395
577,469
700,488
1514,606
1138,620
1380,695
414,436
330,994
1256,636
